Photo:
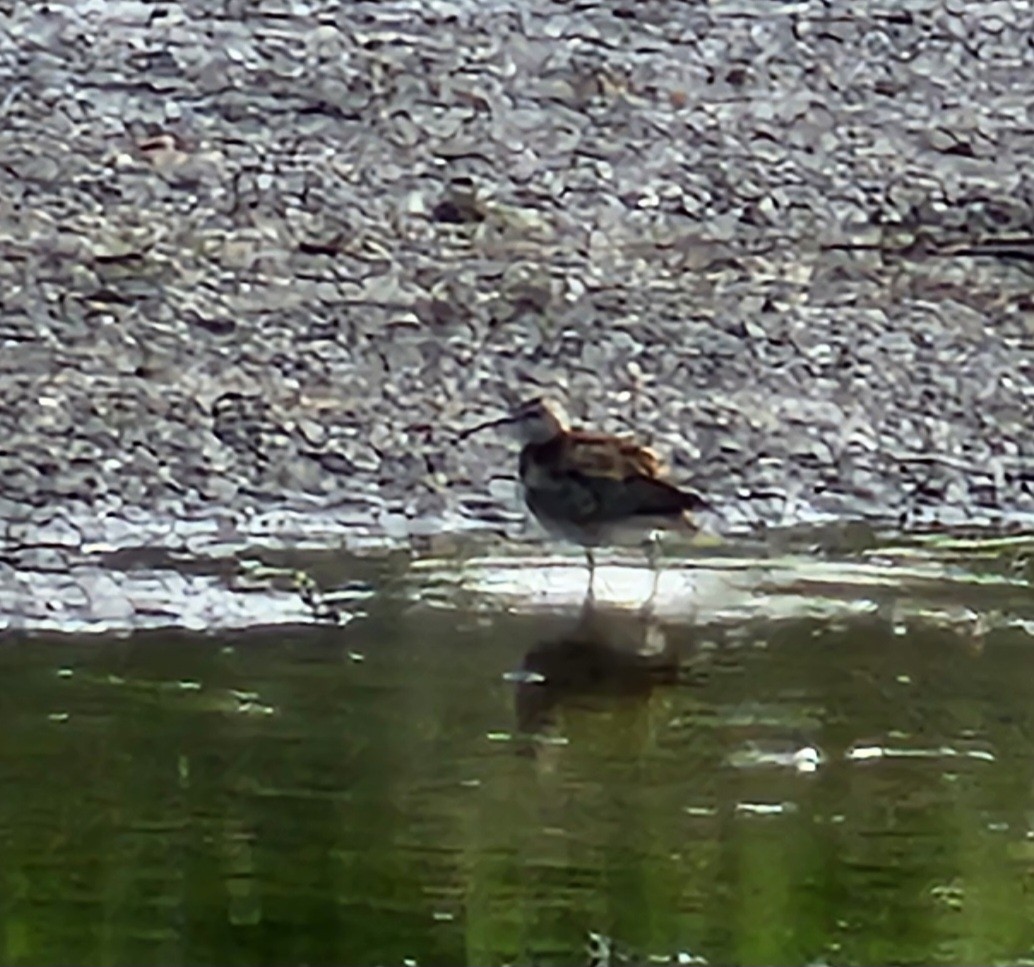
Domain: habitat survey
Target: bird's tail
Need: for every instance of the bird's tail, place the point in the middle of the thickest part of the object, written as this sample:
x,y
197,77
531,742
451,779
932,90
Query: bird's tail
x,y
700,519
691,501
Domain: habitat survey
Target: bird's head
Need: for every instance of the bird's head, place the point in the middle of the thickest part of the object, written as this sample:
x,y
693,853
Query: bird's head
x,y
537,420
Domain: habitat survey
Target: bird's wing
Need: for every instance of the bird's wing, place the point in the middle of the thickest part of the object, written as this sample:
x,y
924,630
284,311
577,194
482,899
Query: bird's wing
x,y
644,496
624,479
615,458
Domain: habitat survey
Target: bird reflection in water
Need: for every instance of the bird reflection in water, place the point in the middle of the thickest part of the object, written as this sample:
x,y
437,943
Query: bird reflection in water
x,y
607,653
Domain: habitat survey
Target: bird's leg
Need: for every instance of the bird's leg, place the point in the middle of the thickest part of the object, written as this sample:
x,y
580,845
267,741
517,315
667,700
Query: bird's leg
x,y
590,560
653,548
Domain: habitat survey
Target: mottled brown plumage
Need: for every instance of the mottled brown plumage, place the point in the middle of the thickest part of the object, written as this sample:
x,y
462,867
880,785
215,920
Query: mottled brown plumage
x,y
588,487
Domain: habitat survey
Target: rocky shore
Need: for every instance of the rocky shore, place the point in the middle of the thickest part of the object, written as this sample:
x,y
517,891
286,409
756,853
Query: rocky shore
x,y
266,258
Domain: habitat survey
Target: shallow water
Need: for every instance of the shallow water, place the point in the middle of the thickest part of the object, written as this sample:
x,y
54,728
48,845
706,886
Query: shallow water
x,y
787,760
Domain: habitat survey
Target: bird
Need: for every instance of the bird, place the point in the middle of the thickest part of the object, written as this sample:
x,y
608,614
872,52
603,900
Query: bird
x,y
589,487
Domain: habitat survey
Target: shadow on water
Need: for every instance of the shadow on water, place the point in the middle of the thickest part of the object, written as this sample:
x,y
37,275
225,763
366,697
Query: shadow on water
x,y
783,763
614,654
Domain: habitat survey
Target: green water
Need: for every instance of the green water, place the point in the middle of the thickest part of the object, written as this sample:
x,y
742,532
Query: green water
x,y
478,784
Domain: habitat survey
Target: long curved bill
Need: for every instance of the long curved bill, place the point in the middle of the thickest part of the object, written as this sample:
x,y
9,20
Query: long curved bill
x,y
502,421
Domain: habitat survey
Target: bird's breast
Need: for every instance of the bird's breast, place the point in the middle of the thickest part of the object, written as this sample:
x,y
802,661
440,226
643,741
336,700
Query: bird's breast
x,y
537,476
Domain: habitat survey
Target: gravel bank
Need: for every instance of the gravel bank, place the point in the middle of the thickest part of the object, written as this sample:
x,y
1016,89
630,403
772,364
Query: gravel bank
x,y
273,254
